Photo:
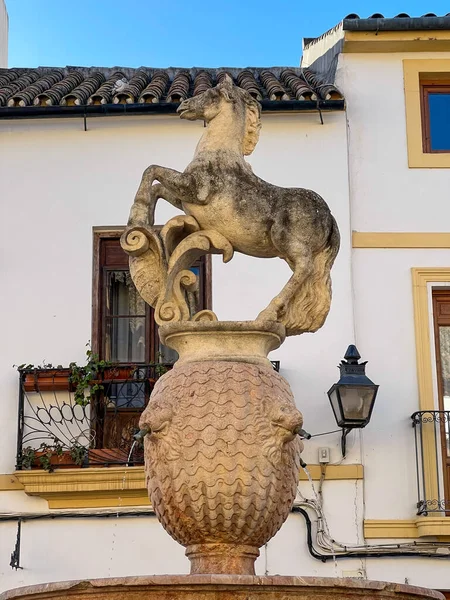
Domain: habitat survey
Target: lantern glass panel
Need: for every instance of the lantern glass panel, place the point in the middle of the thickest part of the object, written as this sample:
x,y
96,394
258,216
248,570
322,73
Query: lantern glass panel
x,y
356,402
333,395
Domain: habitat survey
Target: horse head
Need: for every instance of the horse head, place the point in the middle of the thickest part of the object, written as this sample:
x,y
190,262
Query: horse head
x,y
226,96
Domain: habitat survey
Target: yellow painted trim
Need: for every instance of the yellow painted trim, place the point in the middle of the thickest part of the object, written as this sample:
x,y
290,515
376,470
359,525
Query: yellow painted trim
x,y
412,528
385,239
120,486
396,41
388,528
421,277
412,70
334,472
9,483
85,488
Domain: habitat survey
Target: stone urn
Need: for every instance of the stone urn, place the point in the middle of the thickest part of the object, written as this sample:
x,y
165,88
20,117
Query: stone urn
x,y
222,456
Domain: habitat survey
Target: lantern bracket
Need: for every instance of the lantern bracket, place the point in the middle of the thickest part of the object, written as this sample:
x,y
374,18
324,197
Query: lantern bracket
x,y
345,433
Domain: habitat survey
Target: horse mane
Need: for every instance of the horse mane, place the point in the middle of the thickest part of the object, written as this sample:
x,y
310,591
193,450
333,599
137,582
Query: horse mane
x,y
252,121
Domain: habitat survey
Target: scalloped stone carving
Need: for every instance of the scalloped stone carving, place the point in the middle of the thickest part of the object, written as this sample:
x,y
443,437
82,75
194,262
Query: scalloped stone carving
x,y
222,460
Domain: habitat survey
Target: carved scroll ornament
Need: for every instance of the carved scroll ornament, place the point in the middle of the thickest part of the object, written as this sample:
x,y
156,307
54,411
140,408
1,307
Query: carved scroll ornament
x,y
160,262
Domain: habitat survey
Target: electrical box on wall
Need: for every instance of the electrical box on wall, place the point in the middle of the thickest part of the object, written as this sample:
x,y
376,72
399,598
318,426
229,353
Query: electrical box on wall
x,y
324,455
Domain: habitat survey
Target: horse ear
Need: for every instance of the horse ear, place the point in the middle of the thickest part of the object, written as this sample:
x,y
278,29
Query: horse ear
x,y
227,81
226,87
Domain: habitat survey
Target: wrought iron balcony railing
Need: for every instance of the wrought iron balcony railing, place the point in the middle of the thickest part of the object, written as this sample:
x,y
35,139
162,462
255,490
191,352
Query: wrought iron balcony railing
x,y
432,445
57,429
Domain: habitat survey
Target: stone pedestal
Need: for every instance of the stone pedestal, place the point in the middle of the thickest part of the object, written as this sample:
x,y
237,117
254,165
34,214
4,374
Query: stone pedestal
x,y
221,587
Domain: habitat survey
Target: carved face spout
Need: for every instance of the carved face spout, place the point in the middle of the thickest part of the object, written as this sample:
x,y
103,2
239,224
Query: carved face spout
x,y
286,420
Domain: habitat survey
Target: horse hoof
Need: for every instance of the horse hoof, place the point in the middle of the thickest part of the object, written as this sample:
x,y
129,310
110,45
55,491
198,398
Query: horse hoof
x,y
267,315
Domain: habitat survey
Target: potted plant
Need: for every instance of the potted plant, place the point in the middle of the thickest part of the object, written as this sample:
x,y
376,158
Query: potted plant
x,y
51,456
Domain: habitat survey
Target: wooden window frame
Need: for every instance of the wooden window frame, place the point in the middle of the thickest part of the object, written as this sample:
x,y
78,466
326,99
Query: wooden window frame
x,y
439,296
415,71
97,336
439,86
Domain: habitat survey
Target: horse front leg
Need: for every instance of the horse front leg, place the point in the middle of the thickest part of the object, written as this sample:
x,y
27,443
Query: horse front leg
x,y
173,187
158,191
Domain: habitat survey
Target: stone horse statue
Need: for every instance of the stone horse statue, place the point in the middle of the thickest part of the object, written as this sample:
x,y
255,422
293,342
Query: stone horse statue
x,y
220,191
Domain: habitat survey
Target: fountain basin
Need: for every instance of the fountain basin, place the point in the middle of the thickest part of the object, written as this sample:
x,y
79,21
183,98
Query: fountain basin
x,y
221,587
242,341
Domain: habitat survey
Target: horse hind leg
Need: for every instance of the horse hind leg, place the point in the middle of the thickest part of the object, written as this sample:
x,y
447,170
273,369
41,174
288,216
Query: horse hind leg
x,y
302,267
310,305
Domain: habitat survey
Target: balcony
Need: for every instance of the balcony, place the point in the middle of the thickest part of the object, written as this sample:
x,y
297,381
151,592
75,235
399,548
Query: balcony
x,y
59,430
432,445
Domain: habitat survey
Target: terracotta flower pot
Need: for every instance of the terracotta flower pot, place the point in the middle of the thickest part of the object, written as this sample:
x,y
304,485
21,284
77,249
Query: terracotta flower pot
x,y
63,461
47,380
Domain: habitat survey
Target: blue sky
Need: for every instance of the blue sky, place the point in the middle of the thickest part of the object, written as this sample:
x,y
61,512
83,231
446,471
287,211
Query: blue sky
x,y
182,33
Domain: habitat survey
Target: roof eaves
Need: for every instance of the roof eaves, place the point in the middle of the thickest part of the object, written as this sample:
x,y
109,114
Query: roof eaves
x,y
160,108
70,91
397,24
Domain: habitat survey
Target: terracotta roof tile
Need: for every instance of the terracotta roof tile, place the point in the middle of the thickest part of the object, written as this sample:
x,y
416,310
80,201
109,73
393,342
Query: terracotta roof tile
x,y
17,85
297,85
203,81
130,93
275,90
325,91
8,75
27,95
156,89
247,81
80,95
379,23
56,93
79,86
179,89
399,16
104,95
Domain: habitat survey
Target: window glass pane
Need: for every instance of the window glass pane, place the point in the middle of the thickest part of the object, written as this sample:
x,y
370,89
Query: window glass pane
x,y
356,402
125,339
444,348
129,394
166,354
439,105
122,297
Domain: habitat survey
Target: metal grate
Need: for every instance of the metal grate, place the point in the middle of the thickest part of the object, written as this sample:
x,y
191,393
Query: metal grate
x,y
432,425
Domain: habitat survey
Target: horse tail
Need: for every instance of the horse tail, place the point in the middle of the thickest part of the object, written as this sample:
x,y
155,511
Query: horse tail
x,y
310,305
334,240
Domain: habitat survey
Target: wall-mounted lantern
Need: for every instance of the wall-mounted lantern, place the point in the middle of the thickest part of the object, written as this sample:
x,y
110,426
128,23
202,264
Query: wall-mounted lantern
x,y
353,396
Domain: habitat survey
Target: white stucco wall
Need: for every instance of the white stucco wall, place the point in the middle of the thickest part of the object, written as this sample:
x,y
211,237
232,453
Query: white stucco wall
x,y
386,195
57,183
383,288
3,35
